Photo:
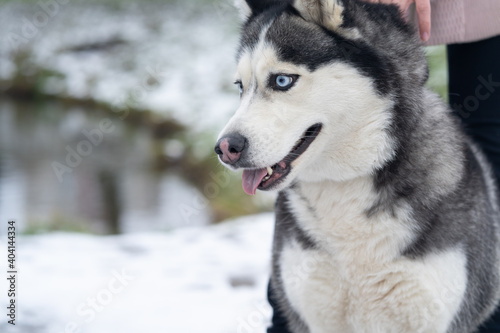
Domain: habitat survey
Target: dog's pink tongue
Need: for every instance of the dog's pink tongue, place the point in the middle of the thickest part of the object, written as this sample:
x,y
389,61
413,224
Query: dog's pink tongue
x,y
252,179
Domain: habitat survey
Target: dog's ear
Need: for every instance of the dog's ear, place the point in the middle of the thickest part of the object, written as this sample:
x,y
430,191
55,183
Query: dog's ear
x,y
253,7
327,13
244,8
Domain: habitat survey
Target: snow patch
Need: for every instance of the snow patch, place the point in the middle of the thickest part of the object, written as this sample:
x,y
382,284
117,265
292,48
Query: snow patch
x,y
181,282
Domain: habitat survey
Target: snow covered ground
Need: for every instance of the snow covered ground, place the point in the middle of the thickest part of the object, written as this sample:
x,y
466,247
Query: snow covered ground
x,y
200,279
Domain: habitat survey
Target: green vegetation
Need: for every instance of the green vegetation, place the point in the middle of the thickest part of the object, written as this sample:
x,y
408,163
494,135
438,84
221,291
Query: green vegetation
x,y
438,66
56,223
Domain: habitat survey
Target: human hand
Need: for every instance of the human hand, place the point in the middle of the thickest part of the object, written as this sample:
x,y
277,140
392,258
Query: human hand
x,y
423,12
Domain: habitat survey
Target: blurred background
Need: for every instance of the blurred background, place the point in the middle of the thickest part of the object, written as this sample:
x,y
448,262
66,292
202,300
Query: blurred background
x,y
109,111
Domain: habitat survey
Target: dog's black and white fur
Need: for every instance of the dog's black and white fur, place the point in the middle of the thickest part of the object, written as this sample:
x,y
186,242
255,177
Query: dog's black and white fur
x,y
387,216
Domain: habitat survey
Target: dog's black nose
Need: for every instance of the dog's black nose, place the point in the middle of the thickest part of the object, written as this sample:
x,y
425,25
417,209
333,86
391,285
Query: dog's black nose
x,y
230,147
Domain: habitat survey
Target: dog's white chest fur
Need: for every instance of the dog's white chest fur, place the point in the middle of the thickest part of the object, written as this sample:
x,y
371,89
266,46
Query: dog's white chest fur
x,y
356,279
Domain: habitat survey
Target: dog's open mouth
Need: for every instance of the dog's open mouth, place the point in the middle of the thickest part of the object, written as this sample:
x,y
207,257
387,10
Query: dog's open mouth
x,y
266,178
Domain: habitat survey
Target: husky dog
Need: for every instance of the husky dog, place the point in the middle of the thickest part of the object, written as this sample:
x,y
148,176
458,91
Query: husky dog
x,y
387,214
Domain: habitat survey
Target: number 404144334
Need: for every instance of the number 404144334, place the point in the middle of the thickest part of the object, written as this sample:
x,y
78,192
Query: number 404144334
x,y
11,241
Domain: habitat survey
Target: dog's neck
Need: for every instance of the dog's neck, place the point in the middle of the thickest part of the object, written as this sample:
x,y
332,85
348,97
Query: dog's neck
x,y
330,192
336,215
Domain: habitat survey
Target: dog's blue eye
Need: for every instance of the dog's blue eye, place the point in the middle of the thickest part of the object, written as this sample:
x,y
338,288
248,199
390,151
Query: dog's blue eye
x,y
282,82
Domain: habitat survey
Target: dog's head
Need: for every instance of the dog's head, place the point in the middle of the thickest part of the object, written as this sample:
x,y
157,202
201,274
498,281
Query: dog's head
x,y
319,82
